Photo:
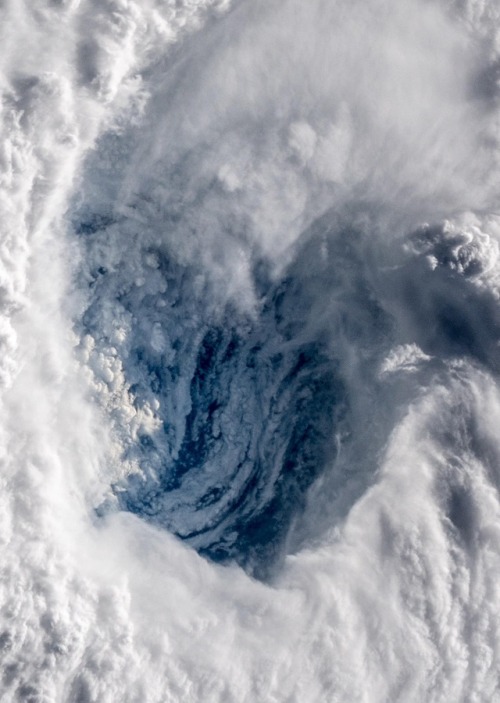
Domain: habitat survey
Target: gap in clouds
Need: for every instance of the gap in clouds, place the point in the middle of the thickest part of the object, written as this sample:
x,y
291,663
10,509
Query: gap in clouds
x,y
237,360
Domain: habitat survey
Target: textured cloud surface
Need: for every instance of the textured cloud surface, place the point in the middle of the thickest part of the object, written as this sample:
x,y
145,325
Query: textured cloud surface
x,y
249,334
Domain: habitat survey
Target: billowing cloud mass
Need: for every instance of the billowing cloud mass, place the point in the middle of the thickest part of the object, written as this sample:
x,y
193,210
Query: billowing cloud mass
x,y
249,335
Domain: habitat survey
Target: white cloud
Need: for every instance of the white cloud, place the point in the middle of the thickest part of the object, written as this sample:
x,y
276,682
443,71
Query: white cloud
x,y
311,140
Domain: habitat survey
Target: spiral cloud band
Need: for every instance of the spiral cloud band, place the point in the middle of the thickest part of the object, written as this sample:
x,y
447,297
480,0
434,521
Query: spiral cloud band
x,y
250,334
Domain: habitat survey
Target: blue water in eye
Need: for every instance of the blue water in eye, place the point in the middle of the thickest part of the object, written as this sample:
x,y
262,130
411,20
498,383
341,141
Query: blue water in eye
x,y
264,407
251,407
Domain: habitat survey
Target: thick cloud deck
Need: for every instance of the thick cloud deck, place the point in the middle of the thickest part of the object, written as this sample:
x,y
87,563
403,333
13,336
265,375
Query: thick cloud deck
x,y
249,323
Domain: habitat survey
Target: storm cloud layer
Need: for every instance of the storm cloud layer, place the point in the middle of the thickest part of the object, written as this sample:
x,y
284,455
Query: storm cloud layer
x,y
249,332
